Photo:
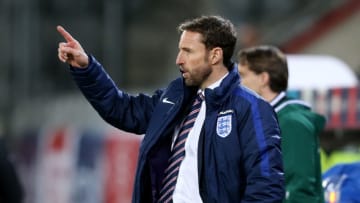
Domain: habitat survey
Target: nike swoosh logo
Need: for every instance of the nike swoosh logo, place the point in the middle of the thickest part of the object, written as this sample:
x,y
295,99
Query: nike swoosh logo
x,y
166,101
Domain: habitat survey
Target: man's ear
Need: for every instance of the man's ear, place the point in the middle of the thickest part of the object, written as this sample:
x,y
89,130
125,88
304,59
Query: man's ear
x,y
265,78
216,55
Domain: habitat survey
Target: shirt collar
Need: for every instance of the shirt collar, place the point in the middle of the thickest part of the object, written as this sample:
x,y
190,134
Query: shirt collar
x,y
214,85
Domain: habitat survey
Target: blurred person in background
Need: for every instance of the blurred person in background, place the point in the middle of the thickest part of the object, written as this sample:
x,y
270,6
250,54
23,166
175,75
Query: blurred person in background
x,y
11,190
264,69
207,139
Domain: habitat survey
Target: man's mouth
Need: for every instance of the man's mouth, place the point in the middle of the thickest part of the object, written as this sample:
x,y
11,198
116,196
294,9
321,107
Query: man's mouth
x,y
182,72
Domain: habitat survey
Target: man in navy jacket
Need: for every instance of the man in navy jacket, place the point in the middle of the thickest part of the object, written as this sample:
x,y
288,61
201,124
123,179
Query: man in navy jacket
x,y
232,154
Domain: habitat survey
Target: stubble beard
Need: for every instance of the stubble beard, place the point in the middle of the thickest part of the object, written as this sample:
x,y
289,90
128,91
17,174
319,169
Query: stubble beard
x,y
198,78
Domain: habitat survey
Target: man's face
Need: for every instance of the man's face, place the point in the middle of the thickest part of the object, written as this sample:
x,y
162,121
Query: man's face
x,y
250,79
193,59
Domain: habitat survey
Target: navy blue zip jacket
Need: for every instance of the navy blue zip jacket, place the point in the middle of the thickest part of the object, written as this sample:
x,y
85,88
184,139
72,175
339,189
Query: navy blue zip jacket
x,y
239,146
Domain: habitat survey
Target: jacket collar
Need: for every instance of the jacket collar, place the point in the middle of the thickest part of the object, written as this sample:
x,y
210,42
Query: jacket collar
x,y
226,87
278,99
179,90
281,100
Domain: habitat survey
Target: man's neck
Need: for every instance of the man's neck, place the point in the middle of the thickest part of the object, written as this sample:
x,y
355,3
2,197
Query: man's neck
x,y
269,95
215,76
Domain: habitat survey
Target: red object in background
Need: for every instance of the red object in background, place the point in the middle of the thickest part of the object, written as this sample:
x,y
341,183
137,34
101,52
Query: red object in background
x,y
57,142
352,107
120,159
336,108
323,25
56,165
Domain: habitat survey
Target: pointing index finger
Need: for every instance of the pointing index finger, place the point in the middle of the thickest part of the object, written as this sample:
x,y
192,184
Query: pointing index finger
x,y
65,34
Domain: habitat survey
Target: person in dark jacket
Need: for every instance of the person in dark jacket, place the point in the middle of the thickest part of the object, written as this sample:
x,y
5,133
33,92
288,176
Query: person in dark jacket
x,y
264,69
225,149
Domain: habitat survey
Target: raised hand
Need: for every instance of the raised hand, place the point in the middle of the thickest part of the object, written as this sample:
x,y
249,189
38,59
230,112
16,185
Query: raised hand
x,y
71,51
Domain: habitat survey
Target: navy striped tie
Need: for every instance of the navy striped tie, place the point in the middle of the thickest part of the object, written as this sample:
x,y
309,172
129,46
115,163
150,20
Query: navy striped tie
x,y
178,152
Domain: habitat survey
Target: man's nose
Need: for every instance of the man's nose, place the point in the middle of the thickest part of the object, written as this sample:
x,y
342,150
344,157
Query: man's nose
x,y
179,60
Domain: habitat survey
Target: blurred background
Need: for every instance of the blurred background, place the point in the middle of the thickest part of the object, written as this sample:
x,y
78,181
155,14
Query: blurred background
x,y
61,149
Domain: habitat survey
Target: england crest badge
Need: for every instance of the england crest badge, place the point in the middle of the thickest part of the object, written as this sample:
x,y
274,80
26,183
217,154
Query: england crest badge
x,y
223,126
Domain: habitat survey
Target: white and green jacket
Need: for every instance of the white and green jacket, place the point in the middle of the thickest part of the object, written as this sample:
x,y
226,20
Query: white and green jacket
x,y
300,128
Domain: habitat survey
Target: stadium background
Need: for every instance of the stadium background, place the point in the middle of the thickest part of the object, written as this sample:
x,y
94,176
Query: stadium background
x,y
64,152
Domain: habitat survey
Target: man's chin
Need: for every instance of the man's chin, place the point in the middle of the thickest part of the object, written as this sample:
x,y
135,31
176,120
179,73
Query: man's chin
x,y
189,83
